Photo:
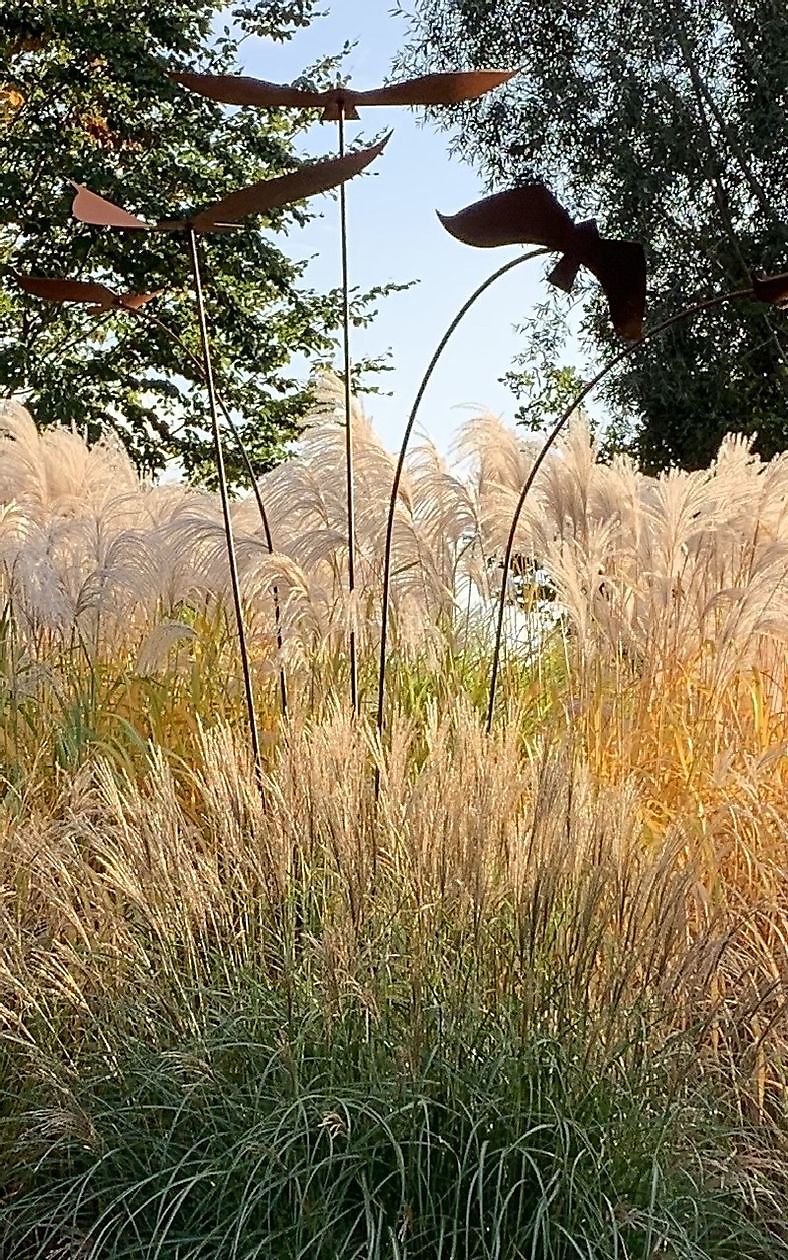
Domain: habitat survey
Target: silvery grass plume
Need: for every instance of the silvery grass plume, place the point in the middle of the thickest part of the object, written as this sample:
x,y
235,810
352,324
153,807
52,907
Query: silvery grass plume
x,y
674,571
686,571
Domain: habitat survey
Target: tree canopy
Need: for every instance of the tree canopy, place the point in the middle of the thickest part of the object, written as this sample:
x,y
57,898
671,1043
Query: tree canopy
x,y
668,124
84,96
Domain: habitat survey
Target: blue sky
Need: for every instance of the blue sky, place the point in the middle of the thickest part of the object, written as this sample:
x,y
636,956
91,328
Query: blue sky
x,y
395,236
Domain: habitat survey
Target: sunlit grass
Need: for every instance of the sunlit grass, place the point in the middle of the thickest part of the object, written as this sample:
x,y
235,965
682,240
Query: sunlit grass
x,y
447,995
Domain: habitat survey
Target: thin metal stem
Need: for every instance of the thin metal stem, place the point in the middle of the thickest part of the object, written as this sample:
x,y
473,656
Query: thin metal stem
x,y
351,511
664,324
387,553
170,332
228,529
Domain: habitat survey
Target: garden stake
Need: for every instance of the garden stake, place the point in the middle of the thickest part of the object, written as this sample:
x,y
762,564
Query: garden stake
x,y
222,216
772,290
384,617
225,498
341,103
350,482
264,521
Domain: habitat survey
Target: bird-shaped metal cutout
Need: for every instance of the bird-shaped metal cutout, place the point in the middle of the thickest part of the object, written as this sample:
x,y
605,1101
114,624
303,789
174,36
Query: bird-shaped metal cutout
x,y
532,215
340,104
98,297
343,102
225,215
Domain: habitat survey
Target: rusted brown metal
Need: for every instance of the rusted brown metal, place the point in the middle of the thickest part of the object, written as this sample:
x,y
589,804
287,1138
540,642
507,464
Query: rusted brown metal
x,y
221,216
400,468
235,583
533,216
97,296
88,207
340,104
344,102
226,214
349,454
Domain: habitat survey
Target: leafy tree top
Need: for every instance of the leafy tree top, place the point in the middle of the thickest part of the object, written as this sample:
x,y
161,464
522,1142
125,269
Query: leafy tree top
x,y
84,96
668,124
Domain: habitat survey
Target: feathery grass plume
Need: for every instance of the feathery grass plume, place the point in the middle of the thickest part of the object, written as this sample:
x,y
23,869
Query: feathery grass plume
x,y
519,925
543,974
678,581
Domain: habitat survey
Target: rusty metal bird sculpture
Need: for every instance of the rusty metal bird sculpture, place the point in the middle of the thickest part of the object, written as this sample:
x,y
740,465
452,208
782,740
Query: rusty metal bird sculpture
x,y
771,290
340,104
531,215
98,297
226,215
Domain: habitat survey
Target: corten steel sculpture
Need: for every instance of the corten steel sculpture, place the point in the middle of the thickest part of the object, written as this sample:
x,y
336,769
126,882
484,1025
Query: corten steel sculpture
x,y
772,290
222,216
532,216
341,104
526,216
101,300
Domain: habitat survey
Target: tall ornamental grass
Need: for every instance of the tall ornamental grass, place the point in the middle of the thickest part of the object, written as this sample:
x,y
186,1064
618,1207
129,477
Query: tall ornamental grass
x,y
527,998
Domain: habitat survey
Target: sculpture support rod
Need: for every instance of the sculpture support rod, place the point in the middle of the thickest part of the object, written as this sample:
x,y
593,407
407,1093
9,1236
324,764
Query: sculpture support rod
x,y
351,509
458,318
228,529
264,521
563,419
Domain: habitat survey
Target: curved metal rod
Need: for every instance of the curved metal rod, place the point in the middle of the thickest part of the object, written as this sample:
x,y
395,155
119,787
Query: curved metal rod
x,y
687,313
225,498
458,318
350,492
144,313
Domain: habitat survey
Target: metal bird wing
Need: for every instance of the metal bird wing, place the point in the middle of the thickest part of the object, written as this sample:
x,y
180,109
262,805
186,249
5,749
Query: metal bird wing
x,y
435,89
98,296
238,89
620,268
88,207
530,215
53,289
134,301
271,194
428,89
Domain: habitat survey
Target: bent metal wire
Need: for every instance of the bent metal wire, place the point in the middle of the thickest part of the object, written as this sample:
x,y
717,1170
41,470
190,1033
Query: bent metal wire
x,y
221,216
101,300
772,290
340,104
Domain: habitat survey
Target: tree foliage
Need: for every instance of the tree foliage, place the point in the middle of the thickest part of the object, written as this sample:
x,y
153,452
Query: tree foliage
x,y
84,96
668,124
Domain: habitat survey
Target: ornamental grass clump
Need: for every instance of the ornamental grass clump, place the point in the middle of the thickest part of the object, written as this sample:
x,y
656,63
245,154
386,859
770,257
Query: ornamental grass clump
x,y
525,999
